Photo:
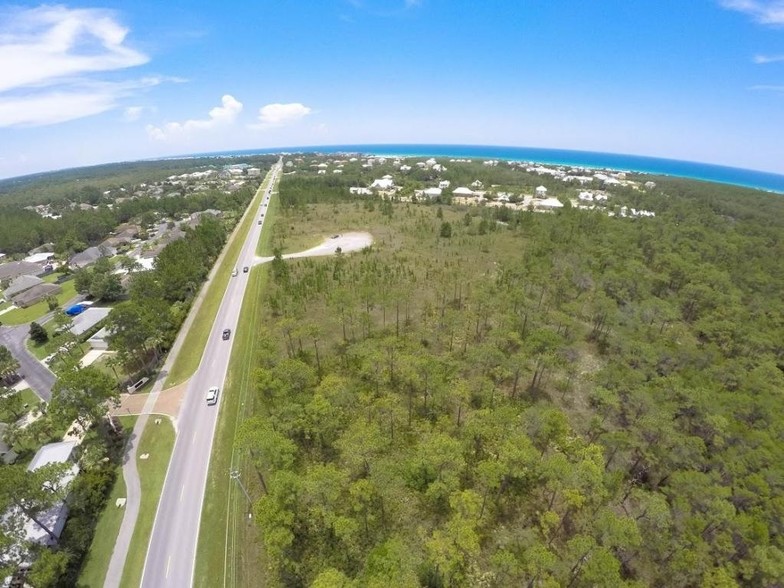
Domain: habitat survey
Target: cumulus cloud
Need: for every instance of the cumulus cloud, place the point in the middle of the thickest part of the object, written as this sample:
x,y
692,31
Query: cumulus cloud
x,y
220,116
46,57
768,12
279,115
762,59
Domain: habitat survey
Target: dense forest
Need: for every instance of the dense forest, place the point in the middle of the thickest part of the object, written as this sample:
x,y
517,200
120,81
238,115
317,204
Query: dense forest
x,y
532,399
48,187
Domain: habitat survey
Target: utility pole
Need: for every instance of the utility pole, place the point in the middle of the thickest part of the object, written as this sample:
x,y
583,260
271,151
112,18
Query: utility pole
x,y
235,475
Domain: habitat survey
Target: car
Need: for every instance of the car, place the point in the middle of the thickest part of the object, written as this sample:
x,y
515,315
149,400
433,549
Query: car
x,y
245,270
212,395
334,236
234,272
262,215
226,334
259,221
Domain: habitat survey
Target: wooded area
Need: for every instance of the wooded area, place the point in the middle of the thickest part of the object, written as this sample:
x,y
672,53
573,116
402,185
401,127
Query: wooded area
x,y
531,399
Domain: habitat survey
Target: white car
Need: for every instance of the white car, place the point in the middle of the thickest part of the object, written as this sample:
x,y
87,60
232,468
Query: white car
x,y
234,272
212,395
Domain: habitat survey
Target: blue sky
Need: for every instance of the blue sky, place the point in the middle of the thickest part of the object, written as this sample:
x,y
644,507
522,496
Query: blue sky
x,y
94,82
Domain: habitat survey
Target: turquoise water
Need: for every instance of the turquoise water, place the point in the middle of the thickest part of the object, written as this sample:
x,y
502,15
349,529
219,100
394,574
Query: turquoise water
x,y
634,163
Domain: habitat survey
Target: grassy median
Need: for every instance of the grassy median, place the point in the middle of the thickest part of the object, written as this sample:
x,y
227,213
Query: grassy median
x,y
196,339
157,441
228,540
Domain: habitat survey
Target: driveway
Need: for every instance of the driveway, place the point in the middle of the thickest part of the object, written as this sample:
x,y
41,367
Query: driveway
x,y
36,374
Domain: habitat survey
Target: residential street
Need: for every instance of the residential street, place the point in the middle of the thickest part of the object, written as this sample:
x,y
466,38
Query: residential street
x,y
37,375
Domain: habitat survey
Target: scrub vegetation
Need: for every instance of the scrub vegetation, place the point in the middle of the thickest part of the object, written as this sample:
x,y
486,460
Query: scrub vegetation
x,y
522,399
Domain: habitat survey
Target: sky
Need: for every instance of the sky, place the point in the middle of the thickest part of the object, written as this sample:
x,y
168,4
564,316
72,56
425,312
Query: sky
x,y
97,82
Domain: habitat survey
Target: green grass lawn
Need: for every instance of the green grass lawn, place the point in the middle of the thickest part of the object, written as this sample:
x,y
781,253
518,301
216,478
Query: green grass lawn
x,y
4,305
229,542
158,441
29,398
96,562
196,339
20,316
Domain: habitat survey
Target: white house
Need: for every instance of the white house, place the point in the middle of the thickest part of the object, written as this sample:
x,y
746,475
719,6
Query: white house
x,y
551,203
477,184
385,183
463,191
405,168
360,191
541,192
443,184
432,192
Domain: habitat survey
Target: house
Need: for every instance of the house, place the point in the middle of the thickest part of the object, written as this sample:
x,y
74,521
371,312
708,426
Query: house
x,y
541,192
385,183
87,319
360,191
54,519
443,184
36,294
90,255
7,455
477,184
432,192
20,284
253,172
551,203
40,257
9,271
405,168
462,191
100,340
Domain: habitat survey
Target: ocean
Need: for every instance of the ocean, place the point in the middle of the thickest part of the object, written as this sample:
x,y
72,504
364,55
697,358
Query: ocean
x,y
633,163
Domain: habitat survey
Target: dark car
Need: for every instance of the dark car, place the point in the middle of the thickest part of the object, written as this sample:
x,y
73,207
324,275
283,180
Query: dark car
x,y
245,270
226,334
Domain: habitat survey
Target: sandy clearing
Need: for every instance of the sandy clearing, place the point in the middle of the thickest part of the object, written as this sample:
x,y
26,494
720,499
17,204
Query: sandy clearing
x,y
347,242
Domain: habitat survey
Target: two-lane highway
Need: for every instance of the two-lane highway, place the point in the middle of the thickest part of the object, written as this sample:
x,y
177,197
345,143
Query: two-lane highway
x,y
172,551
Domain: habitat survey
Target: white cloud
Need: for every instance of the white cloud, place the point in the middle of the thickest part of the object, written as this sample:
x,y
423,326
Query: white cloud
x,y
768,12
132,113
768,88
762,59
279,115
46,54
220,116
67,102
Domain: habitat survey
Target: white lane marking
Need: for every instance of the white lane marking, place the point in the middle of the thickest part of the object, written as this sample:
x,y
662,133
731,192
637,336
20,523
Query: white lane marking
x,y
194,438
182,492
168,565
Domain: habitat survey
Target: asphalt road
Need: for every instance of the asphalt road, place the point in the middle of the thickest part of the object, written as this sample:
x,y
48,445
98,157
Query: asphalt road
x,y
37,375
172,551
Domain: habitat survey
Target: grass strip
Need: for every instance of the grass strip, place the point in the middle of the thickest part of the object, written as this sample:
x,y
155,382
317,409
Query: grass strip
x,y
157,441
96,562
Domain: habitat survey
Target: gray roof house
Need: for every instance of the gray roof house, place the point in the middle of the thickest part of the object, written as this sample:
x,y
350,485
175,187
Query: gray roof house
x,y
19,268
90,255
7,455
20,284
54,518
36,294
